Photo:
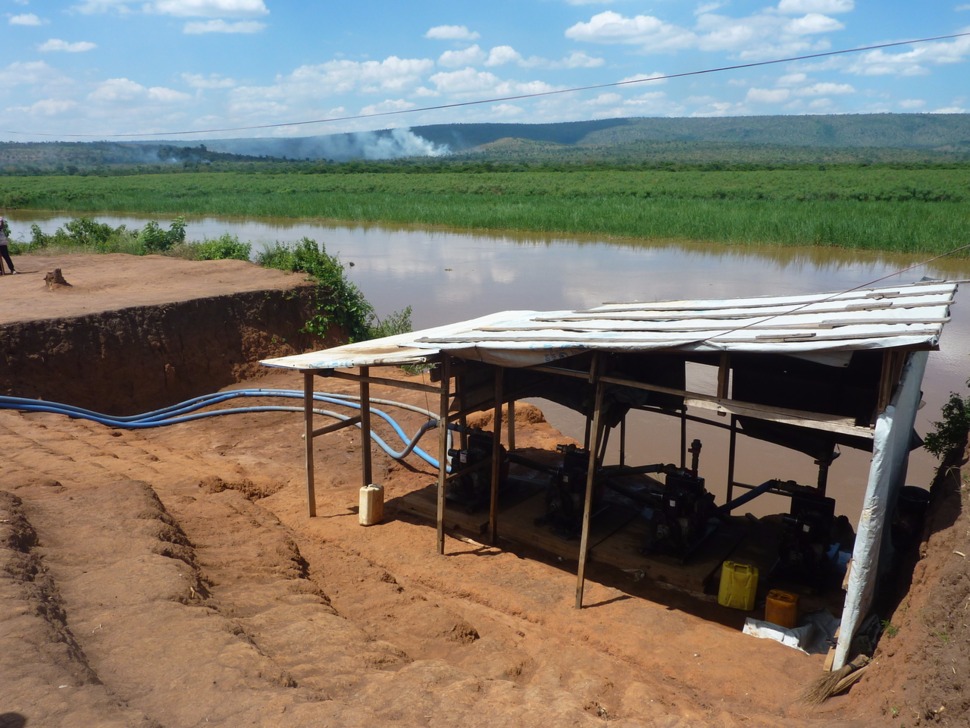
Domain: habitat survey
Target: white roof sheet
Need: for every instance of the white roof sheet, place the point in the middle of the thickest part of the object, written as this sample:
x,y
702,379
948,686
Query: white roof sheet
x,y
903,316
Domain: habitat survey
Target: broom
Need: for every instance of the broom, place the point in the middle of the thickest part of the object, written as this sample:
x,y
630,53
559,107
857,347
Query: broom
x,y
835,681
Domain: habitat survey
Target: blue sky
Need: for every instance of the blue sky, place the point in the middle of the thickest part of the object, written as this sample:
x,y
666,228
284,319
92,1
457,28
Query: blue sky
x,y
114,69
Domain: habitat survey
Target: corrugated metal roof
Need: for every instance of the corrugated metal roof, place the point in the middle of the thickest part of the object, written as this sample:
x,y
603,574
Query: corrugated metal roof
x,y
902,316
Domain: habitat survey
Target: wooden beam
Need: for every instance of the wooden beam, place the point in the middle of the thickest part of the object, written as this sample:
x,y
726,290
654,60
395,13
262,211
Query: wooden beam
x,y
340,425
399,383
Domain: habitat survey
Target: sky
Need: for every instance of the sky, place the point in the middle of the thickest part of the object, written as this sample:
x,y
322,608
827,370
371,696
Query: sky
x,y
87,70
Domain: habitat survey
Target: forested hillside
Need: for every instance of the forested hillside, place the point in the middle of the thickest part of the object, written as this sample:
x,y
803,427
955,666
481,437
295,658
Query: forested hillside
x,y
759,140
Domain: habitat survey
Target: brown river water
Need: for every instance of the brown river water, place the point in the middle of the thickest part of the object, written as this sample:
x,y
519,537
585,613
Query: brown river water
x,y
448,276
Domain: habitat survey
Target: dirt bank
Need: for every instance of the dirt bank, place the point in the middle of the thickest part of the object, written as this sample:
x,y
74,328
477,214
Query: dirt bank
x,y
170,576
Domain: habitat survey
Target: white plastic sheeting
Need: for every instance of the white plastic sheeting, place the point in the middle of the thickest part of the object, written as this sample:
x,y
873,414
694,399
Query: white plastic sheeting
x,y
887,474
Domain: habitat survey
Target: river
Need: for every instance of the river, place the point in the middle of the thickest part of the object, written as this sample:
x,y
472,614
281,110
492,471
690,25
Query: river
x,y
448,276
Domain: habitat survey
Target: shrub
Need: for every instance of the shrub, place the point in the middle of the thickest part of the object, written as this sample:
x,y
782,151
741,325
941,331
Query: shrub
x,y
339,301
950,433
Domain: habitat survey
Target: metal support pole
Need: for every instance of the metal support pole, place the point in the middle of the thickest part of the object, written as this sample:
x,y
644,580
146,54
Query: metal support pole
x,y
443,447
597,430
365,455
311,498
496,459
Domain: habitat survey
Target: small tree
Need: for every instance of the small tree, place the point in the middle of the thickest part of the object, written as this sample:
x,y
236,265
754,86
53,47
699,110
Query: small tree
x,y
950,432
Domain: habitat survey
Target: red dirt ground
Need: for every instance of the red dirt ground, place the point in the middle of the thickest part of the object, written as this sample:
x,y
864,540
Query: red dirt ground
x,y
171,577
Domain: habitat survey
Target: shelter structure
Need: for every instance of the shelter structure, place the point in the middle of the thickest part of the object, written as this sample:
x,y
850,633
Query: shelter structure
x,y
810,372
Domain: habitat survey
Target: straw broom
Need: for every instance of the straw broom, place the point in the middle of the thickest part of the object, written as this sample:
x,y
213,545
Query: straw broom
x,y
835,681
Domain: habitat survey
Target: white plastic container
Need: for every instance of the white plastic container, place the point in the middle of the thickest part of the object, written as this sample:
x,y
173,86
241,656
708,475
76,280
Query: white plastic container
x,y
371,505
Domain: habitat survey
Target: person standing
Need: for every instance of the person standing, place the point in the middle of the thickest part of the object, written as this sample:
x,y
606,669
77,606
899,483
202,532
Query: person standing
x,y
4,243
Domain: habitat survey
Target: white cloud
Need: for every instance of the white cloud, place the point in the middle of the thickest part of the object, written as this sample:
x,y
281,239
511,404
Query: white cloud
x,y
208,8
813,23
201,27
767,96
167,95
465,57
506,111
25,19
117,89
94,7
302,91
578,59
465,82
30,73
799,7
451,32
914,62
826,89
911,104
57,45
645,30
124,89
49,107
501,55
213,80
470,82
387,106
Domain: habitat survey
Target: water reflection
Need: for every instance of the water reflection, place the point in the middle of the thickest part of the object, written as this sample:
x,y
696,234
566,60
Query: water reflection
x,y
448,276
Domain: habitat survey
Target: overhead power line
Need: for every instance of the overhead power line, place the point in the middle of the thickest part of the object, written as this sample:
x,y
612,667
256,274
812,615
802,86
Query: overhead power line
x,y
516,97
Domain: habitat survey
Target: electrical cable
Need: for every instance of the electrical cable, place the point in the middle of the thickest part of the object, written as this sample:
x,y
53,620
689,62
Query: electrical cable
x,y
516,97
189,411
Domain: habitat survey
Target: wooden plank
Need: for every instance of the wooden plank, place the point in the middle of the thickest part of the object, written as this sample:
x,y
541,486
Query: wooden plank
x,y
623,550
424,504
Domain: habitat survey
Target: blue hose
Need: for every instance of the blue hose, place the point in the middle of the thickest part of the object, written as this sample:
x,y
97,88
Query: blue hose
x,y
188,411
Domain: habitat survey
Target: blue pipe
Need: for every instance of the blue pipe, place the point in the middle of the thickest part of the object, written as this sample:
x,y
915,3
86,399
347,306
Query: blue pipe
x,y
187,411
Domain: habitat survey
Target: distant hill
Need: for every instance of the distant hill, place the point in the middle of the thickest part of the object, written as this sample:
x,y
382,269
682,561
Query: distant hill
x,y
745,139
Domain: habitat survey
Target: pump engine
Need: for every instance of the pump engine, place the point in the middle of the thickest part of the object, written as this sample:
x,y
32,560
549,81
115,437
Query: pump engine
x,y
681,512
471,488
566,494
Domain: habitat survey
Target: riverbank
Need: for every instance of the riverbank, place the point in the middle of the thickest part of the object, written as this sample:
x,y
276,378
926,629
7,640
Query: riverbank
x,y
171,576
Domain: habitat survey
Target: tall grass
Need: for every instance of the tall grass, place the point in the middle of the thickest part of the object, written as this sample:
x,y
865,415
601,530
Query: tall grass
x,y
887,208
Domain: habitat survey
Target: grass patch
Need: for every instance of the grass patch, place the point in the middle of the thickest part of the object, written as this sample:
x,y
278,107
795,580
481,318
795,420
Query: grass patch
x,y
919,209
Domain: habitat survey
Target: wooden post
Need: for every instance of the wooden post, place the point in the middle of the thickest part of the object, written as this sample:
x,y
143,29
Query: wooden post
x,y
311,498
732,452
365,455
623,440
683,438
511,426
590,482
723,377
443,447
496,459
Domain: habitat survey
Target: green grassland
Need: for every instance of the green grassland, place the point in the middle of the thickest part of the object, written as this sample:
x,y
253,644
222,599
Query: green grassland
x,y
914,208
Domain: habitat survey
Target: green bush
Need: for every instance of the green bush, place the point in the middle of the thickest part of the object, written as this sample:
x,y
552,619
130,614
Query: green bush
x,y
339,301
950,433
156,240
225,247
